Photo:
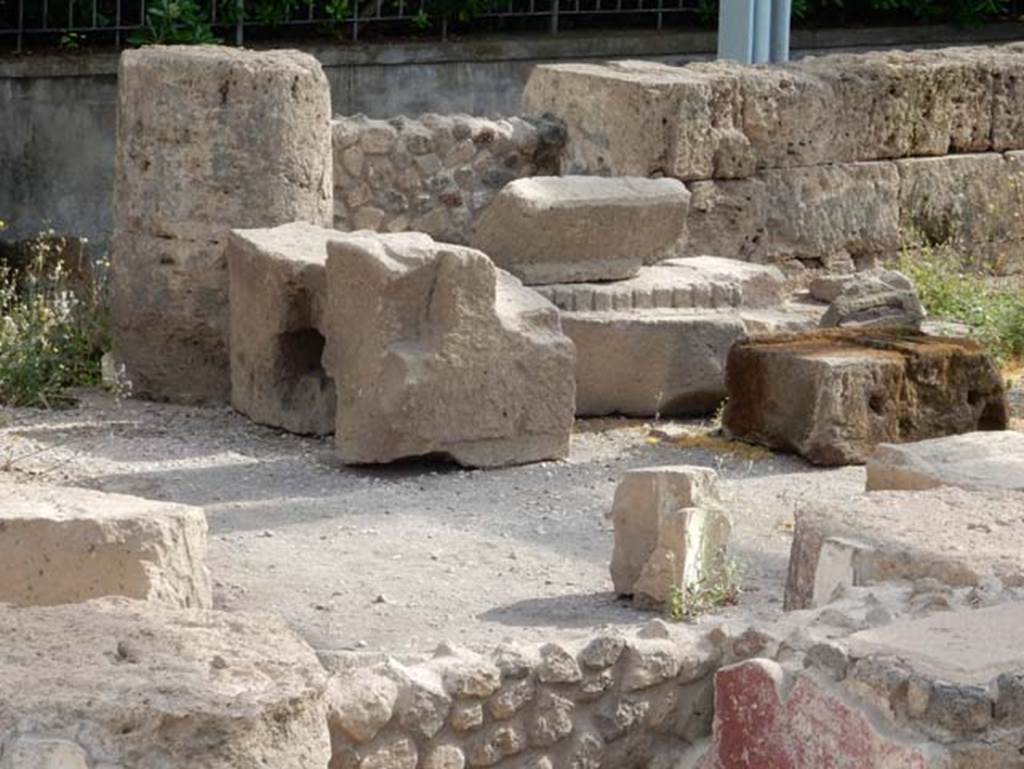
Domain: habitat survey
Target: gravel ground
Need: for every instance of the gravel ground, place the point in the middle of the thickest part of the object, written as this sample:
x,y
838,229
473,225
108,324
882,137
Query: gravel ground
x,y
401,557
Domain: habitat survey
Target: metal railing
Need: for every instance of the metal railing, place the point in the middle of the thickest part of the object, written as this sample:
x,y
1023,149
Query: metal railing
x,y
31,23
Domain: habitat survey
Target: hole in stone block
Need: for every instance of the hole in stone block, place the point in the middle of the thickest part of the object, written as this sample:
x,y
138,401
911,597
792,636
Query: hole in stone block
x,y
301,352
877,404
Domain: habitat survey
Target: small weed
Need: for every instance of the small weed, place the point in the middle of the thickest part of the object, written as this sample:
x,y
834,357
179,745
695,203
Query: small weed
x,y
950,290
52,337
720,586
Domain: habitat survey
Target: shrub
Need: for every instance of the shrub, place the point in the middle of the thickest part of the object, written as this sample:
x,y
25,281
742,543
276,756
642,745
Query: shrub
x,y
51,337
951,290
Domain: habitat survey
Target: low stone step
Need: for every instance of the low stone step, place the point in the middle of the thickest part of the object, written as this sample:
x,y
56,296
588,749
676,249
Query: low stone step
x,y
554,229
655,362
697,282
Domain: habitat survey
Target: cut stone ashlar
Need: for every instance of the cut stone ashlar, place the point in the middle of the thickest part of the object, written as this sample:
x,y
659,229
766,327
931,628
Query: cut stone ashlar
x,y
436,352
571,229
833,395
671,532
981,460
699,282
649,363
121,683
66,545
277,299
955,536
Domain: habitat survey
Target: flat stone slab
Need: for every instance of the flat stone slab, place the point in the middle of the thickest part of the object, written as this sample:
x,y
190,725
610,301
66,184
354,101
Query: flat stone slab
x,y
961,647
833,395
958,537
129,684
67,545
654,362
699,282
277,296
571,229
985,460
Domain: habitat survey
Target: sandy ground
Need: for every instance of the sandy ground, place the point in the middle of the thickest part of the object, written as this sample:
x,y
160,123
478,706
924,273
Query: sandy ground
x,y
402,557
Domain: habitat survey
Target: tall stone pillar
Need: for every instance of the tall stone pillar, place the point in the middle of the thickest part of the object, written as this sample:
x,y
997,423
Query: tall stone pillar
x,y
208,139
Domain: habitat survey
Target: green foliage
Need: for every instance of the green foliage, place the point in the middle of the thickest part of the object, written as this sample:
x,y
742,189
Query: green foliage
x,y
174,22
829,12
51,338
720,586
950,290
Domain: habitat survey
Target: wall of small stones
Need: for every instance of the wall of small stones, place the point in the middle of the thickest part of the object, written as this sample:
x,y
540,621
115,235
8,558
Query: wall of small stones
x,y
829,161
611,701
433,174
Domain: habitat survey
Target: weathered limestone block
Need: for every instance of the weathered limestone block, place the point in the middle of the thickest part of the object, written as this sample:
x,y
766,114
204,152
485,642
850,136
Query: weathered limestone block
x,y
875,298
728,218
971,202
67,545
137,685
985,460
277,297
670,532
569,229
833,395
42,753
698,282
834,214
657,362
955,536
197,156
438,352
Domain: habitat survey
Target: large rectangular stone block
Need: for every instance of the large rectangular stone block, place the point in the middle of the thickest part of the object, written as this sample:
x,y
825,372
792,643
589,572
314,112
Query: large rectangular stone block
x,y
277,295
209,138
650,363
832,396
580,228
728,218
834,214
435,351
68,545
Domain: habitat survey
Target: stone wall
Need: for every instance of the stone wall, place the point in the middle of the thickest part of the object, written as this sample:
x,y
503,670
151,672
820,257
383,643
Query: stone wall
x,y
611,701
433,174
827,161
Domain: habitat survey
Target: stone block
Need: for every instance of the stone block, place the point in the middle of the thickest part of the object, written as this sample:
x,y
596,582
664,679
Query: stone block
x,y
961,647
983,460
834,214
435,351
670,532
972,202
68,545
656,362
876,298
277,296
699,282
833,395
957,537
137,685
728,218
197,156
569,229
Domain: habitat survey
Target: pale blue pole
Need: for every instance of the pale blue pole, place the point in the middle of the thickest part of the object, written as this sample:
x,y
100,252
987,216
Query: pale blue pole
x,y
782,13
762,31
736,30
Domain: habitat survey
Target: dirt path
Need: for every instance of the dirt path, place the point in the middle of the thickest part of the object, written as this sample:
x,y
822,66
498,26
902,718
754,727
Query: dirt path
x,y
401,557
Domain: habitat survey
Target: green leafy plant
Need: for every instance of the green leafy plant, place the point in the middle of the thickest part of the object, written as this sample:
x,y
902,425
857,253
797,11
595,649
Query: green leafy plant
x,y
720,586
951,289
51,336
70,41
168,22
